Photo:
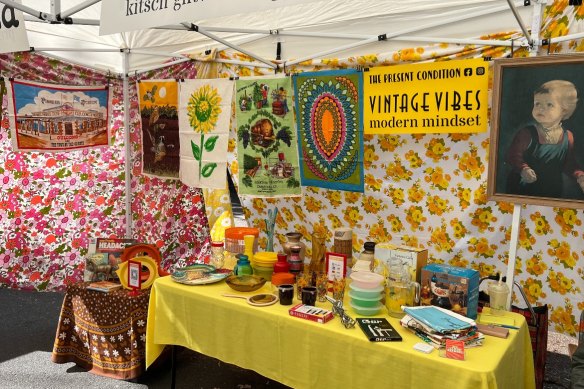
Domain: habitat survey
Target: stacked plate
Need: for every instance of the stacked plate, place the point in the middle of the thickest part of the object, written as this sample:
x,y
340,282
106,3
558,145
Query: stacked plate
x,y
366,292
263,264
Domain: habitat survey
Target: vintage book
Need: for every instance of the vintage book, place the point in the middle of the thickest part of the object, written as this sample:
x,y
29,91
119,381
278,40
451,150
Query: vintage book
x,y
378,329
312,313
104,286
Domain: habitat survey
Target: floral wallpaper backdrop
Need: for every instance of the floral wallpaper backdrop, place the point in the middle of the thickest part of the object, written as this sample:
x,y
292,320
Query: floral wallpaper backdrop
x,y
429,190
51,204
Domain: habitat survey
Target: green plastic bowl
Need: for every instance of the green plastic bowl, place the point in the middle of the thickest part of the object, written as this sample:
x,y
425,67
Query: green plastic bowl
x,y
366,293
369,311
364,302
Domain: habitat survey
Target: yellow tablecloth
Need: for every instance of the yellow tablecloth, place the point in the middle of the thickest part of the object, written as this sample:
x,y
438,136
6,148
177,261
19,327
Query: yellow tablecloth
x,y
304,354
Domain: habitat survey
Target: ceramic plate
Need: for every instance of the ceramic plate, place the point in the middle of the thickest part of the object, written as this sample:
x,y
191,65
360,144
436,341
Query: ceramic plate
x,y
199,274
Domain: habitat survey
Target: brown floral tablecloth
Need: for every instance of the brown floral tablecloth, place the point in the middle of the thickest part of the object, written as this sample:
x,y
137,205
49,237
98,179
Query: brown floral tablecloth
x,y
103,332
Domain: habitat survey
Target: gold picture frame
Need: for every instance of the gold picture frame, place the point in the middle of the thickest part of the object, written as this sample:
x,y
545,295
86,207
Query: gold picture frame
x,y
515,127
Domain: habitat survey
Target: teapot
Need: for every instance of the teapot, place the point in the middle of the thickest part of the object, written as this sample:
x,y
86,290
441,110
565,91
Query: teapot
x,y
400,289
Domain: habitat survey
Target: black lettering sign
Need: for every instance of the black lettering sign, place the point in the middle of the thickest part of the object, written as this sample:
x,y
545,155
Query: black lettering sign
x,y
9,18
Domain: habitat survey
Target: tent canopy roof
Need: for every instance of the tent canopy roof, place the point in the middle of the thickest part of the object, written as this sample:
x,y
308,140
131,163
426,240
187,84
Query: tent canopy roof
x,y
320,29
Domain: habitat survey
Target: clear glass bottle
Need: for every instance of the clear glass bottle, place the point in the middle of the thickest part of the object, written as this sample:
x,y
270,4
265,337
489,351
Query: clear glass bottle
x,y
217,254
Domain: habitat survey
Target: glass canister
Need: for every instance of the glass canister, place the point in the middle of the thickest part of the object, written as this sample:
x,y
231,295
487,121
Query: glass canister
x,y
401,291
217,255
343,243
368,253
234,242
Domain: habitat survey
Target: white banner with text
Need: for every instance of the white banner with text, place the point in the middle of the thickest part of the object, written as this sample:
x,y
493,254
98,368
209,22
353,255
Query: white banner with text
x,y
13,35
129,15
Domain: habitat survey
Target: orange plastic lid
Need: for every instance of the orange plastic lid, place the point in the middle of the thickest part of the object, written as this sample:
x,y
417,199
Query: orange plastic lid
x,y
239,232
282,278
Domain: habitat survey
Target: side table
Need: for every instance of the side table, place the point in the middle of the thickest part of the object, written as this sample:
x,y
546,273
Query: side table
x,y
104,333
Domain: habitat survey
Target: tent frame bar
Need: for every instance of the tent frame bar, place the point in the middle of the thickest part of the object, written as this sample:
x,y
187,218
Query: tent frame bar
x,y
74,10
202,31
28,10
520,22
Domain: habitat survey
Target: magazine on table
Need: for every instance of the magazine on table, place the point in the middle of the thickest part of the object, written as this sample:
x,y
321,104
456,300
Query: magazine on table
x,y
103,257
439,319
378,329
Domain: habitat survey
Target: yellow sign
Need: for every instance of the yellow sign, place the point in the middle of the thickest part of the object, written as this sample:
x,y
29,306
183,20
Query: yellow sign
x,y
426,98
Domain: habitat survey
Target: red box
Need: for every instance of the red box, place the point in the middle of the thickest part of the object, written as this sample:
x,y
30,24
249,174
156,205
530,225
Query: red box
x,y
312,313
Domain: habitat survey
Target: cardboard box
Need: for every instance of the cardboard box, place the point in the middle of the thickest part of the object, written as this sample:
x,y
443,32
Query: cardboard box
x,y
415,258
311,313
450,287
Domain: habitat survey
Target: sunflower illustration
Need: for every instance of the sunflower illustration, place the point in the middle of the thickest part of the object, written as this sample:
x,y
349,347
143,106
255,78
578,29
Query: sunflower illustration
x,y
203,109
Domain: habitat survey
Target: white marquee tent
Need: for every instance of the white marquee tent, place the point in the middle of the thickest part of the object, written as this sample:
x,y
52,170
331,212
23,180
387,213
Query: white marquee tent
x,y
69,29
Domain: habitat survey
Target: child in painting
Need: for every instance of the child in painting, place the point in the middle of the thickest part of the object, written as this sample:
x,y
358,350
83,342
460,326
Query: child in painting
x,y
541,151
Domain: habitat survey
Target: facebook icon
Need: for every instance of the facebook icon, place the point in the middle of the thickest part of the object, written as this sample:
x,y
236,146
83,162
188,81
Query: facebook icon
x,y
468,72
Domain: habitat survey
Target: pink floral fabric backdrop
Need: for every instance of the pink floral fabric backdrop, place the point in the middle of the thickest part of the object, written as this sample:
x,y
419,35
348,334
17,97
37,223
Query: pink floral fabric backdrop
x,y
52,204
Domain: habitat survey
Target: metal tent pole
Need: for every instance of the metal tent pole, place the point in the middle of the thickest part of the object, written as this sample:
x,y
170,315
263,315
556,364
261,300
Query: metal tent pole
x,y
194,27
127,148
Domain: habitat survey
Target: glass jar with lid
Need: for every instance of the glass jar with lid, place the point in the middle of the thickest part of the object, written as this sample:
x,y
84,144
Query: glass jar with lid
x,y
368,252
217,254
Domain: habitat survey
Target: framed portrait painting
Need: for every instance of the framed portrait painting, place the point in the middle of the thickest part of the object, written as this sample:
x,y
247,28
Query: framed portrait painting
x,y
537,131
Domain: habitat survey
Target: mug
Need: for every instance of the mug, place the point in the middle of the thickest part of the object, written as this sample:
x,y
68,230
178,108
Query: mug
x,y
309,295
286,294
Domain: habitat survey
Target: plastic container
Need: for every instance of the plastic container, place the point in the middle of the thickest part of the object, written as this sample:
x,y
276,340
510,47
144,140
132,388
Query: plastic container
x,y
369,311
366,293
263,271
283,278
234,242
366,280
364,302
265,258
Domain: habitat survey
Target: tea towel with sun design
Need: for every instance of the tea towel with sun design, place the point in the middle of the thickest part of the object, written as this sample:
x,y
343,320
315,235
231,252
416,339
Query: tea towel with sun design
x,y
204,118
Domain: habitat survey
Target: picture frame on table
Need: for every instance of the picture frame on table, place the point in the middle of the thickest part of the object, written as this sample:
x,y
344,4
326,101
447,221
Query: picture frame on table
x,y
532,160
134,274
336,266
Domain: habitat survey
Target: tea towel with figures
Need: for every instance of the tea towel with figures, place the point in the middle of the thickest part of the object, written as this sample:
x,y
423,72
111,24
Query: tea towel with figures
x,y
158,100
330,129
55,118
267,148
204,118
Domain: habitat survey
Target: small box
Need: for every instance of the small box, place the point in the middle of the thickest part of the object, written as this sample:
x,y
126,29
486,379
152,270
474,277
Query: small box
x,y
415,258
310,312
450,287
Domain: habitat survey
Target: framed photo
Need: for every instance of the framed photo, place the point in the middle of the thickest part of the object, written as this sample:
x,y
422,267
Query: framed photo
x,y
134,276
536,143
336,266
